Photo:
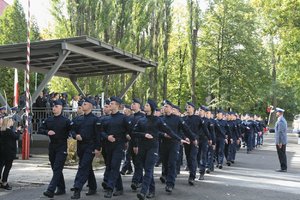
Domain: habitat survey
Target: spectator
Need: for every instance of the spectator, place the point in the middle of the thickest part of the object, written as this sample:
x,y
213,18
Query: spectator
x,y
74,103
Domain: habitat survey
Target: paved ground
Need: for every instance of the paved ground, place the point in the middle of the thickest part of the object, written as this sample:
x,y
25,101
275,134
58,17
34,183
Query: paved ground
x,y
251,177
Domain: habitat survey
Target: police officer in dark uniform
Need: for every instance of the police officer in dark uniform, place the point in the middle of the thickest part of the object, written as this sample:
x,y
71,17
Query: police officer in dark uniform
x,y
115,130
191,151
86,130
176,111
103,119
149,129
235,135
222,130
211,148
130,155
57,127
204,141
170,147
133,144
249,130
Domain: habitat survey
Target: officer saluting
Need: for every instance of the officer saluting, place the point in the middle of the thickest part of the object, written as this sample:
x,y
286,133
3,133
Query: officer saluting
x,y
57,127
87,133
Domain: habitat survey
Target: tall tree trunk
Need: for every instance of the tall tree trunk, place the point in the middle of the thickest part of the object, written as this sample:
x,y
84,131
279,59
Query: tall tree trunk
x,y
193,70
274,80
182,57
167,30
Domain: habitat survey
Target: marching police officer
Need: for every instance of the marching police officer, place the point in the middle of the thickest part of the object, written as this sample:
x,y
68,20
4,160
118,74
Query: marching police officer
x,y
170,147
235,135
115,130
211,148
204,141
86,131
57,127
148,129
133,144
222,130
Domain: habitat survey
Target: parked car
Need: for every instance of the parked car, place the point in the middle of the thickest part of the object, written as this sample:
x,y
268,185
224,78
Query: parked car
x,y
296,124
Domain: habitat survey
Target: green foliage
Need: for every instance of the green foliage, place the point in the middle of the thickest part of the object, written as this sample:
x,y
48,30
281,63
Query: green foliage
x,y
13,29
244,57
233,68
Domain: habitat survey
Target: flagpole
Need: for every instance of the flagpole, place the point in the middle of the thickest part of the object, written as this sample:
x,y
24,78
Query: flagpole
x,y
16,89
26,140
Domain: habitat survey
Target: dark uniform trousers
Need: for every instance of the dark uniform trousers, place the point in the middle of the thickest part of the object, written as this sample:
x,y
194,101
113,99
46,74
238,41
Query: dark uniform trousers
x,y
191,152
146,158
57,157
179,159
169,153
85,170
114,155
220,144
249,139
282,156
202,155
232,150
210,158
129,155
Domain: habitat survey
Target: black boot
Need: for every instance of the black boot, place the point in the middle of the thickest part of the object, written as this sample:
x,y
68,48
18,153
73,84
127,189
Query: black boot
x,y
76,194
169,189
90,192
60,192
118,193
162,179
108,193
150,195
201,177
141,196
134,186
49,194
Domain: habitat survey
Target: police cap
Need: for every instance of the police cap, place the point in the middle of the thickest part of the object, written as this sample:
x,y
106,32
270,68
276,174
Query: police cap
x,y
136,100
90,100
116,99
191,104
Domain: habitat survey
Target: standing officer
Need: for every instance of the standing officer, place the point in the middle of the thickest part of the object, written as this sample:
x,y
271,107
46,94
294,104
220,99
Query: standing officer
x,y
57,127
169,147
115,130
281,139
86,131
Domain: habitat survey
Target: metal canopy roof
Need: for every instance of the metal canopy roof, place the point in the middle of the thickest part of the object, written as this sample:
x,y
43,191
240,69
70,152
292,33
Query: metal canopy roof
x,y
87,57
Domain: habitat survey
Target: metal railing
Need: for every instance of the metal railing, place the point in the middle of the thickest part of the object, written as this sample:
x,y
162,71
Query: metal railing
x,y
40,114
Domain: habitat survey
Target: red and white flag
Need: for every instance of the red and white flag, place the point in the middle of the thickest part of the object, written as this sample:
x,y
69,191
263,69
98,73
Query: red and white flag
x,y
16,89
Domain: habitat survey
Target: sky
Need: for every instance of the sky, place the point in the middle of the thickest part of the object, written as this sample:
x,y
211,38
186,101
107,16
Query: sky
x,y
40,9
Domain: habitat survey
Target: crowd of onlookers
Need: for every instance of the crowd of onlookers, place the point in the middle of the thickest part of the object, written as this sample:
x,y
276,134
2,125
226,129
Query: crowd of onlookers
x,y
45,100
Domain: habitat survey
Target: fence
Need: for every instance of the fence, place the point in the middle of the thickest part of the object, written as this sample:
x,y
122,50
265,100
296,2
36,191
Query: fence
x,y
39,114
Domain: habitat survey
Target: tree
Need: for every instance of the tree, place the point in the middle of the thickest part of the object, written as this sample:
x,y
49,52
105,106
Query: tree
x,y
13,29
194,24
234,67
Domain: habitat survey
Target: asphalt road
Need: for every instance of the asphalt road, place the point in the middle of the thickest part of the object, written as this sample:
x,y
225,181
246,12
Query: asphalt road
x,y
252,177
